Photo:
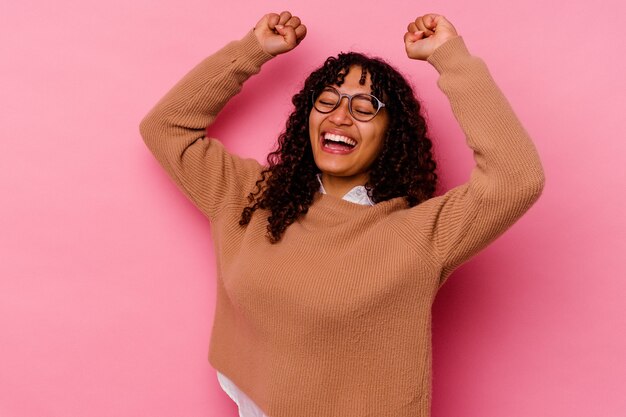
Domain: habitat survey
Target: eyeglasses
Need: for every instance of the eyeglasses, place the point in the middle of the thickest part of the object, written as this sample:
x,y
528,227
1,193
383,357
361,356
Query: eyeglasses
x,y
363,107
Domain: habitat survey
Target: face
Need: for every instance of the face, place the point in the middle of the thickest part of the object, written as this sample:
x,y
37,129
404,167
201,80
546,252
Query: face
x,y
342,164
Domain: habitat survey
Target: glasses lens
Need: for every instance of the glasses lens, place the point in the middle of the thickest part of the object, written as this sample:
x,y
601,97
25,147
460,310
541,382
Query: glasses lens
x,y
364,107
327,101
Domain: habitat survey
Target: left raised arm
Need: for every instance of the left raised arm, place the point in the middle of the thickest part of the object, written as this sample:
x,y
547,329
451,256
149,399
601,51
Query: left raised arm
x,y
508,177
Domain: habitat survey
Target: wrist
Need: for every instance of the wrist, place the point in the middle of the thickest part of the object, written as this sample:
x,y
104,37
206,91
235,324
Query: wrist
x,y
448,53
254,49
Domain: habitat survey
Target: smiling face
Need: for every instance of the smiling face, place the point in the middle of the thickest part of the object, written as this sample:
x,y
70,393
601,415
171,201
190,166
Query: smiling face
x,y
346,166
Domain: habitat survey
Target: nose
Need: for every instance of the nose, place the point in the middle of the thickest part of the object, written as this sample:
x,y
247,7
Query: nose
x,y
341,115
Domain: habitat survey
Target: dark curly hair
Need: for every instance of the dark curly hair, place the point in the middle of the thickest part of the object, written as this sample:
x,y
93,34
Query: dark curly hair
x,y
404,168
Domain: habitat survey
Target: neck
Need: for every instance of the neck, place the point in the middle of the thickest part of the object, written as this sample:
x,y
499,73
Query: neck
x,y
339,186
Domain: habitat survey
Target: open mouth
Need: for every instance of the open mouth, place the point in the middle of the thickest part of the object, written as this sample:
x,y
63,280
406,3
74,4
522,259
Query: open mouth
x,y
334,143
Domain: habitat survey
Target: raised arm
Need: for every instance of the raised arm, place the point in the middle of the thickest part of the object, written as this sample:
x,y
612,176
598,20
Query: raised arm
x,y
508,177
174,130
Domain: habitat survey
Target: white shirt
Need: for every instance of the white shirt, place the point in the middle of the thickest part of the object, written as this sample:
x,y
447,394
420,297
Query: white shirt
x,y
356,195
247,407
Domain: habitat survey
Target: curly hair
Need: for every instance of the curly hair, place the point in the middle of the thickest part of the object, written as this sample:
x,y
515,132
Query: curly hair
x,y
404,168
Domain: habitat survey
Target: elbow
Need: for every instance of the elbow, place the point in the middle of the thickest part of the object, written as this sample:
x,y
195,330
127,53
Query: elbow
x,y
149,129
528,181
533,191
540,183
516,193
145,127
530,188
536,182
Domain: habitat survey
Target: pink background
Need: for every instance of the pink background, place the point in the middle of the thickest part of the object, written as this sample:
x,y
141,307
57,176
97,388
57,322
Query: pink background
x,y
107,271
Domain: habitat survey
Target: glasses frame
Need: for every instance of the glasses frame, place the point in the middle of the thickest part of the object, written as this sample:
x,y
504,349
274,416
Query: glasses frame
x,y
349,97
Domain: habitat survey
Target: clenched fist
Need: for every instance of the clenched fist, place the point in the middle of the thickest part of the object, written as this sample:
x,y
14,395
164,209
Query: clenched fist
x,y
426,34
278,34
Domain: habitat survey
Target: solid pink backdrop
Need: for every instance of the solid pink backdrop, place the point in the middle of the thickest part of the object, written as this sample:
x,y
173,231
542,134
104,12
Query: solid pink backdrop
x,y
107,271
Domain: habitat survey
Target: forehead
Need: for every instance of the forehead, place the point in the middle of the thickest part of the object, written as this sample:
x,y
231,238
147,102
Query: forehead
x,y
354,80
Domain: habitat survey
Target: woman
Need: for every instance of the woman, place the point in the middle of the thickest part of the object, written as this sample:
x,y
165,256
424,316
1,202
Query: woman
x,y
330,257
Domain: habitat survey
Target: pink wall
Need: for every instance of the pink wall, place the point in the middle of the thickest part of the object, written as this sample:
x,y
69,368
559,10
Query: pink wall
x,y
106,271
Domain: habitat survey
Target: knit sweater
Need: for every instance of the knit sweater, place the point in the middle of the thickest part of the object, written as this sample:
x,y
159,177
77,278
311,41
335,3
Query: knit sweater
x,y
334,320
247,407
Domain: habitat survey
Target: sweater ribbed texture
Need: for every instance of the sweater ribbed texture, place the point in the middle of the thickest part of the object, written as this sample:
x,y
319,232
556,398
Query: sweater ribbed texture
x,y
335,319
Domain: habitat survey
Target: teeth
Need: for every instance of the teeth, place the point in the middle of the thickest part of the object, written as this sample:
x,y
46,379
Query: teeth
x,y
339,138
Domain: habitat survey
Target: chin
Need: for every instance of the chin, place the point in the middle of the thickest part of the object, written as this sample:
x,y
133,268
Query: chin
x,y
333,169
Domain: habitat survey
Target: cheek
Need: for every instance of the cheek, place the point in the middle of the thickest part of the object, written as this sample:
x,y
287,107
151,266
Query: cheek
x,y
381,133
314,123
376,137
376,144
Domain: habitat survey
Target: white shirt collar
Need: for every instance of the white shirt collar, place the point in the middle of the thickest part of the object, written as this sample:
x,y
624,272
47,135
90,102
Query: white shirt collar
x,y
357,195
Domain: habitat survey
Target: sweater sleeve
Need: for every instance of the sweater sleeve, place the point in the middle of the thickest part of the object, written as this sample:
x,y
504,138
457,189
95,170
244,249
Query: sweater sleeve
x,y
175,129
508,176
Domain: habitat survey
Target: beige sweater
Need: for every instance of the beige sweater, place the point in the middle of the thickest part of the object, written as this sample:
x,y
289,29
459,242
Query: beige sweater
x,y
335,319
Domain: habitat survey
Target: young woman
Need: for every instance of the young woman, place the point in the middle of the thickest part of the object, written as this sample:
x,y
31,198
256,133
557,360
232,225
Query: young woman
x,y
329,258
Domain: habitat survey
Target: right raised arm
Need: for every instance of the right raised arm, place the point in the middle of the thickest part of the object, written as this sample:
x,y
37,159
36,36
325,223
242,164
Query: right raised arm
x,y
174,130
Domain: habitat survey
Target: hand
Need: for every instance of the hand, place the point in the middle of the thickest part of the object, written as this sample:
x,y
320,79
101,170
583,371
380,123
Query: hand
x,y
426,34
278,34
